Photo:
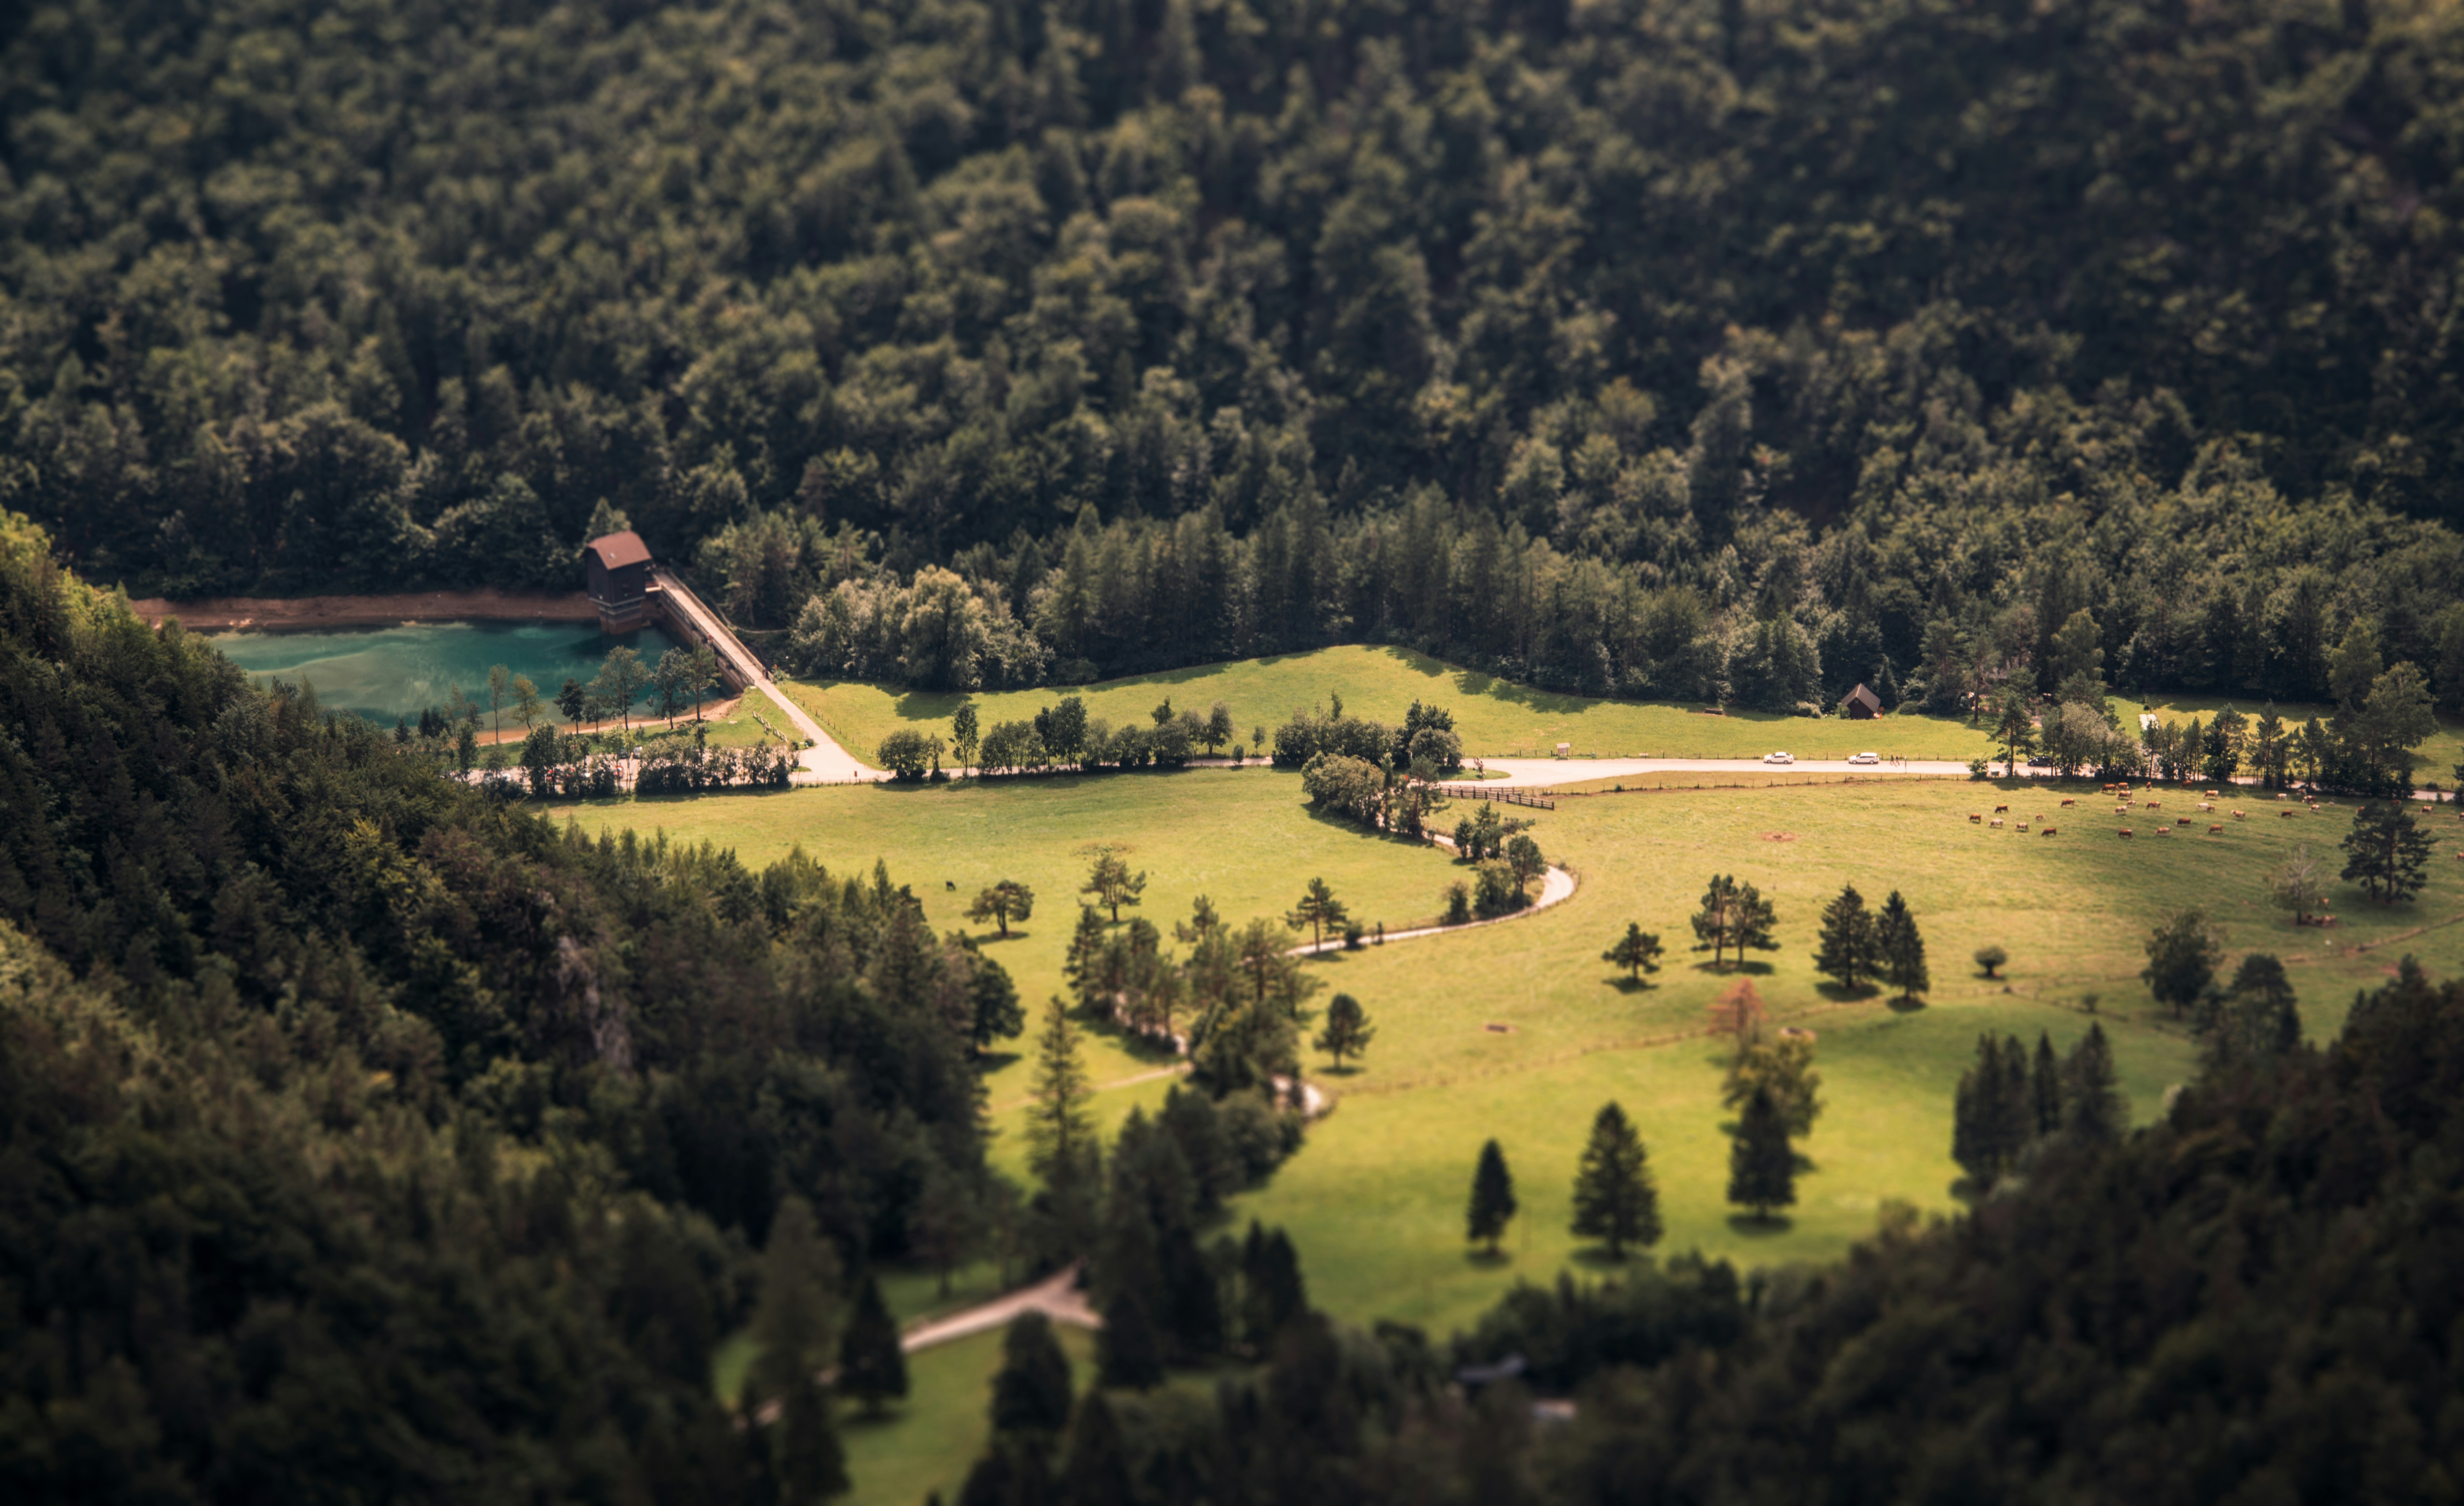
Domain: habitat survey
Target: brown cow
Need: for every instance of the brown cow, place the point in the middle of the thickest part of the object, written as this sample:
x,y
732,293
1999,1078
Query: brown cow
x,y
2069,803
2049,830
1974,816
2214,831
2286,814
2001,809
2125,830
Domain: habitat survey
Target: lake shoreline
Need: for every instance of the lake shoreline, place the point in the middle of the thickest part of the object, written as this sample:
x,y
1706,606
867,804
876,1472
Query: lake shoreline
x,y
407,609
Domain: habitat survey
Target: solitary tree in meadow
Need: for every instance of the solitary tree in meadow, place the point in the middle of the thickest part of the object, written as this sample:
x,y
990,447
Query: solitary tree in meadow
x,y
1319,909
2386,852
2299,884
1990,958
1638,952
1219,727
1002,904
2183,953
1112,882
1348,1031
1492,1197
1737,1013
1615,1199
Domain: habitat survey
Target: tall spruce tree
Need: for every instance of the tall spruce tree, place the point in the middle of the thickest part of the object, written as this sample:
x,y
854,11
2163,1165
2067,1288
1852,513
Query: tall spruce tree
x,y
2257,1019
792,1329
1616,1200
1848,950
1902,949
1271,1291
1096,1469
1995,1110
872,1367
1031,1391
2045,1084
2093,1112
1762,1163
1492,1197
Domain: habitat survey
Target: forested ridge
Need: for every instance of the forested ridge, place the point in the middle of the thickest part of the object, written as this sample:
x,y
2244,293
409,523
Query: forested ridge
x,y
363,1136
1690,349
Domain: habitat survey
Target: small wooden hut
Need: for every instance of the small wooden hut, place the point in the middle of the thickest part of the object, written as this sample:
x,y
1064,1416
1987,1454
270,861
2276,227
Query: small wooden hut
x,y
619,580
1862,704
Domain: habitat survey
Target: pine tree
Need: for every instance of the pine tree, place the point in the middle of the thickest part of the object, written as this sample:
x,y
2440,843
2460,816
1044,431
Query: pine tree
x,y
873,1368
1096,1472
1031,1393
2046,1086
1271,1291
1762,1164
1615,1197
2258,1018
1638,952
1059,1134
1084,962
1320,911
1846,951
792,1328
2386,852
1492,1197
1348,1031
1995,1113
1902,949
2093,1111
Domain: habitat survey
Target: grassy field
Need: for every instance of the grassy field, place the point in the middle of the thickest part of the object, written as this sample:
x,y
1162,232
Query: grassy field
x,y
930,1442
1375,1201
1241,837
1496,718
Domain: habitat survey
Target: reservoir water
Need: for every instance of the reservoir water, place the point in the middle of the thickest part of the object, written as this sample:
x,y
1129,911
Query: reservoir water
x,y
386,673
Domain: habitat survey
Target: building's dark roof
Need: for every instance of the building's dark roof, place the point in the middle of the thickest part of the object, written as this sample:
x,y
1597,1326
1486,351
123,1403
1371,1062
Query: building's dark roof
x,y
1860,693
616,550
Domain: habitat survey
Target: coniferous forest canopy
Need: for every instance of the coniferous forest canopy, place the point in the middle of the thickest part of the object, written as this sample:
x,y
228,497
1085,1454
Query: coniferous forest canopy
x,y
1745,348
365,1136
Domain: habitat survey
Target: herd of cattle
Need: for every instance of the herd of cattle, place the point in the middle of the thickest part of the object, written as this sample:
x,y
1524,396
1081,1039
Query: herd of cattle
x,y
2120,794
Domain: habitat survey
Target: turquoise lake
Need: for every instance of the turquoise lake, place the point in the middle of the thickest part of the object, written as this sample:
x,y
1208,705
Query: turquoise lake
x,y
386,673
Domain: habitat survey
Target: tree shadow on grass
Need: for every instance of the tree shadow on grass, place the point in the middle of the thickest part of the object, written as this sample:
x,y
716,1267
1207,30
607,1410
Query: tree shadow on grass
x,y
1725,969
1015,933
858,1420
1625,984
1347,1070
1906,1006
1841,994
994,1061
1488,1259
1752,1226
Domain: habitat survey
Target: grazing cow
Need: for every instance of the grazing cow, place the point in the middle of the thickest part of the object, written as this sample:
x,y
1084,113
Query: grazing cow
x,y
2121,811
2163,831
1997,821
2125,830
2237,815
2286,814
2023,826
1974,816
951,884
2001,809
2067,803
2049,830
2155,805
2204,807
2214,831
2181,821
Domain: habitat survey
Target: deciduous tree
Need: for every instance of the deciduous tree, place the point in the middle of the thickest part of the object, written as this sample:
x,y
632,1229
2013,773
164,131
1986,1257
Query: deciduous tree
x,y
1319,909
1002,902
1348,1031
1111,883
2182,952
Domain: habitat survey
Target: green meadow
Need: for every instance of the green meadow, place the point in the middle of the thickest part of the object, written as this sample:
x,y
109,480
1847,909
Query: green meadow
x,y
1520,1032
1496,718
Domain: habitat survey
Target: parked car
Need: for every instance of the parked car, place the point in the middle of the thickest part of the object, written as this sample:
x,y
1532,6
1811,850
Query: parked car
x,y
1866,757
1779,758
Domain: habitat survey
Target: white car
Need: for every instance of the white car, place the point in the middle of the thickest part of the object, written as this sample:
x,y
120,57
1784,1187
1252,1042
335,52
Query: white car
x,y
1779,758
1866,758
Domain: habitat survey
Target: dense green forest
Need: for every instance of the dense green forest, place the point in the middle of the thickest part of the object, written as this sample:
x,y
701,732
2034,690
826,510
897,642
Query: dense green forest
x,y
2253,1301
1649,346
364,1138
